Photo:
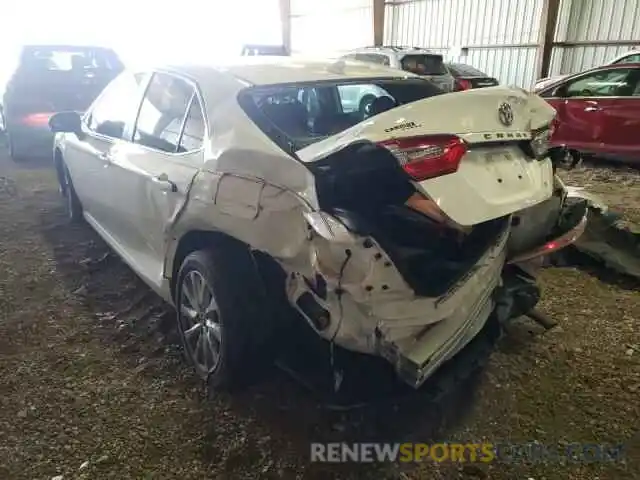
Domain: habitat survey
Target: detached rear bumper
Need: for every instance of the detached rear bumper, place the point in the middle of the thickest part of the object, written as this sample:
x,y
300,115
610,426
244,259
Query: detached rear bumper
x,y
416,358
572,224
497,288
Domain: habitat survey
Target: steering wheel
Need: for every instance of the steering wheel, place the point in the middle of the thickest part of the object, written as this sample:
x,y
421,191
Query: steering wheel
x,y
586,93
364,107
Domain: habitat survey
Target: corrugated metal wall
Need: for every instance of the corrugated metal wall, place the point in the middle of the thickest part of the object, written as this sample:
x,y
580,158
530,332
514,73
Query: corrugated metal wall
x,y
501,35
330,25
593,21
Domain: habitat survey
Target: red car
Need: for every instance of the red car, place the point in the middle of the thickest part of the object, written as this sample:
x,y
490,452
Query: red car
x,y
598,111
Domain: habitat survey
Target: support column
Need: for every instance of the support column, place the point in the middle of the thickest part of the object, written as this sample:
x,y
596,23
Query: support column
x,y
548,23
285,22
378,22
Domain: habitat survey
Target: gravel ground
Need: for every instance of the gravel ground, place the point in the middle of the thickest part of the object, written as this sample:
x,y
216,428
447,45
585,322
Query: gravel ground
x,y
92,385
618,185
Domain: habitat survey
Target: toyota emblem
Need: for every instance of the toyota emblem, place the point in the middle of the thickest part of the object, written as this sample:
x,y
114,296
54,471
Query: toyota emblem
x,y
505,114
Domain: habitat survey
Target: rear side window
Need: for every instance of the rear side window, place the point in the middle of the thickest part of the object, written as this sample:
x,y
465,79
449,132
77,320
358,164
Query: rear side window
x,y
373,58
116,107
424,64
463,70
170,117
193,132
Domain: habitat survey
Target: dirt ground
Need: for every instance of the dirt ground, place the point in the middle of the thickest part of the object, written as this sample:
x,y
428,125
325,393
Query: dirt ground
x,y
93,385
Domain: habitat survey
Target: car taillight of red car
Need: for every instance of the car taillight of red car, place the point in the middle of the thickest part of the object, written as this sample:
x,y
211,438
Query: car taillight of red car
x,y
427,157
36,119
462,84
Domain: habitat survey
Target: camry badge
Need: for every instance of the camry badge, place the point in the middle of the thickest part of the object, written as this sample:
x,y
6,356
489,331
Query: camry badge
x,y
505,114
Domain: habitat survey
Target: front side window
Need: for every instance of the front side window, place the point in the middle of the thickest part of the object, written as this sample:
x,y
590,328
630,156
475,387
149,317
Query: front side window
x,y
116,107
169,109
604,83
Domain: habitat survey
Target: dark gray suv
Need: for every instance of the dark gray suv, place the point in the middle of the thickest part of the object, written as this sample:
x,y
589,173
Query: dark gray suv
x,y
49,79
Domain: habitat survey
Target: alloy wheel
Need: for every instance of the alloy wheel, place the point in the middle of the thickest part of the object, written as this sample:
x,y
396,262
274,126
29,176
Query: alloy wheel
x,y
199,319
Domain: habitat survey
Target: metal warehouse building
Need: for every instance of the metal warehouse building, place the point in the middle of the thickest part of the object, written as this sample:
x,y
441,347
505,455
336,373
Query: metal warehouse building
x,y
517,41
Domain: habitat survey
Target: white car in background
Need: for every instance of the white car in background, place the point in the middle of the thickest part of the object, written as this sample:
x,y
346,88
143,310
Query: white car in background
x,y
632,56
399,232
427,64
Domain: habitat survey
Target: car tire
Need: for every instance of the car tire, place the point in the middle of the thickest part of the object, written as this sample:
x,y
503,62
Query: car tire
x,y
14,152
222,315
73,207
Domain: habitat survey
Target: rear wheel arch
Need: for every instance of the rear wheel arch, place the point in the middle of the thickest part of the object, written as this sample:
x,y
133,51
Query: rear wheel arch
x,y
58,162
200,240
267,270
242,296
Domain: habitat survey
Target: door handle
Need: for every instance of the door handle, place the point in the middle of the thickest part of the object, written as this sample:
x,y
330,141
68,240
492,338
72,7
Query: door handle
x,y
165,184
105,157
592,109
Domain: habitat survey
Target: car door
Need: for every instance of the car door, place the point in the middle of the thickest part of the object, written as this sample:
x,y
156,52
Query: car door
x,y
621,119
155,170
580,103
87,157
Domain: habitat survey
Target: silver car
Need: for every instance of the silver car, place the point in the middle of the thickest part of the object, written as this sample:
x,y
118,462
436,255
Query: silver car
x,y
419,61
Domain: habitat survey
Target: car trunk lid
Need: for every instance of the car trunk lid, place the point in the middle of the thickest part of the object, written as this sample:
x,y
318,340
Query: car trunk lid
x,y
482,82
494,176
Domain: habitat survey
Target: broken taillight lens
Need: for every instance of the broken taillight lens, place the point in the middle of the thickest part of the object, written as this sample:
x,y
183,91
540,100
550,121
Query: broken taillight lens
x,y
462,84
427,157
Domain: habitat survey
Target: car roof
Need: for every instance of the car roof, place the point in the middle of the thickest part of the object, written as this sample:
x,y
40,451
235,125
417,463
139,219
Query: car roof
x,y
608,67
396,50
271,70
626,54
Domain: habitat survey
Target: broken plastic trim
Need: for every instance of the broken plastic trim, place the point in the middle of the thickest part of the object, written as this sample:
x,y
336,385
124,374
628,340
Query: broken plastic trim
x,y
554,245
329,227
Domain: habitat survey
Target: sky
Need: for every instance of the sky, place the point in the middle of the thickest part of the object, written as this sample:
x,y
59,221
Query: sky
x,y
141,31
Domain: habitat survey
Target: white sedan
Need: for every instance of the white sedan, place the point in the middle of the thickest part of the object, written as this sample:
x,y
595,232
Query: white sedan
x,y
400,231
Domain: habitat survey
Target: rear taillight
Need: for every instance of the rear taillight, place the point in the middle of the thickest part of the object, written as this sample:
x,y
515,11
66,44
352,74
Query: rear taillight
x,y
462,84
36,119
541,141
427,157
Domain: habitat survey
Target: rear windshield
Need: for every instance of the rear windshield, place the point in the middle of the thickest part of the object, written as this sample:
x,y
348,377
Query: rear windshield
x,y
295,116
424,64
463,70
46,59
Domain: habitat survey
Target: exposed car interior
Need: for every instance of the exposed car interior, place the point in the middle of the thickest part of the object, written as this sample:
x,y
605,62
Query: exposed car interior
x,y
370,195
308,113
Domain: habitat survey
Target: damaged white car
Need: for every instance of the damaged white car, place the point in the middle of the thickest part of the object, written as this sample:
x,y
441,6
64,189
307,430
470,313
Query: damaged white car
x,y
395,231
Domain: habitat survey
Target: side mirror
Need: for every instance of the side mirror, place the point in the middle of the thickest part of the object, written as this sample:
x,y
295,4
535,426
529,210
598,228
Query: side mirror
x,y
67,122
